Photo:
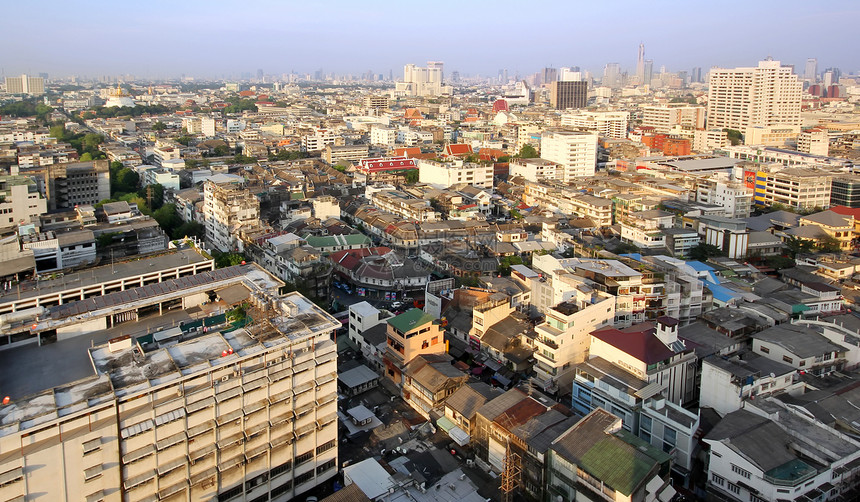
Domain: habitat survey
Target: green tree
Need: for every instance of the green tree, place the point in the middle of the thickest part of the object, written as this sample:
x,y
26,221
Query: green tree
x,y
779,262
228,259
222,150
189,229
126,181
505,263
411,176
798,246
735,137
527,152
87,156
159,126
626,247
828,244
157,195
184,140
167,218
92,141
57,131
702,252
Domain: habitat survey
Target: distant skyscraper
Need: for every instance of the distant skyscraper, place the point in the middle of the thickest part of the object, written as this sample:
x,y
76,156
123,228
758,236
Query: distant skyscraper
x,y
570,74
763,96
649,71
419,81
25,85
455,76
612,75
640,64
696,75
811,72
437,65
549,75
260,74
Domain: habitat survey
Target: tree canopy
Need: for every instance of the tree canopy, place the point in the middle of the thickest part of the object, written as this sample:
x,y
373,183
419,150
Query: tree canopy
x,y
159,126
527,152
702,252
735,137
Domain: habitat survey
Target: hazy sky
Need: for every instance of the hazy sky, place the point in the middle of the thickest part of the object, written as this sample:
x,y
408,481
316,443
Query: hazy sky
x,y
214,38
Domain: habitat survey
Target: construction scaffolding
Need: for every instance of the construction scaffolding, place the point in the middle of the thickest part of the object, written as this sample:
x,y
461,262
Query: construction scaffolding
x,y
510,474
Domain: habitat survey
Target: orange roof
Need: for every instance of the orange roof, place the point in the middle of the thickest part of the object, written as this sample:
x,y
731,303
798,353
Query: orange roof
x,y
458,149
406,152
246,93
412,113
847,211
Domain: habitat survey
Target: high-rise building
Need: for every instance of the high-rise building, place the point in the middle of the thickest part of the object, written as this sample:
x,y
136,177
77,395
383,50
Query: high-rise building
x,y
605,123
640,64
419,81
25,85
548,76
696,75
811,71
649,71
572,74
197,411
564,95
665,117
575,152
766,95
612,75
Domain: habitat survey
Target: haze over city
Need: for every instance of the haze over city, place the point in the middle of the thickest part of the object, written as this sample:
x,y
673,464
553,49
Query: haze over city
x,y
213,39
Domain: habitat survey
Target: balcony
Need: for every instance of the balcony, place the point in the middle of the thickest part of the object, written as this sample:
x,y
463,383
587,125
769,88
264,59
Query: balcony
x,y
549,342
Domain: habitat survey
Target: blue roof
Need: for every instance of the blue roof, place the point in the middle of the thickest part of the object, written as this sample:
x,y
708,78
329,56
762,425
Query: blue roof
x,y
635,256
699,266
721,293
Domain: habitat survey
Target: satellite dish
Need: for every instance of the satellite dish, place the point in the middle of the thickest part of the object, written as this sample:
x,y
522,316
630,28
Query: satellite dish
x,y
772,375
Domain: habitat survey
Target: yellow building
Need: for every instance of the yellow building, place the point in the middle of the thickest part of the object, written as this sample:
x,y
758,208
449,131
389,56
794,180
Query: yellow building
x,y
409,335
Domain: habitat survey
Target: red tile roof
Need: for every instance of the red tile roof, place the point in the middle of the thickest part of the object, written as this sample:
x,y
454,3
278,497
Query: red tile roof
x,y
520,413
458,149
640,343
847,211
407,152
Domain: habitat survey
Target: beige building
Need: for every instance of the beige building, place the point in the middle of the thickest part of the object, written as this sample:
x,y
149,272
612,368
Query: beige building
x,y
25,84
773,135
766,95
664,117
446,174
180,414
21,200
604,123
575,152
815,141
227,209
409,335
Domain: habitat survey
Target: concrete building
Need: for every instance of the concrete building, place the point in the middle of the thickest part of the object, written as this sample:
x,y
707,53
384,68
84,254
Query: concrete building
x,y
644,229
766,95
801,347
422,81
383,135
735,197
165,152
446,174
575,152
777,135
228,208
563,339
663,118
184,413
25,84
568,94
409,335
814,141
794,187
605,124
727,382
772,452
535,170
77,184
20,200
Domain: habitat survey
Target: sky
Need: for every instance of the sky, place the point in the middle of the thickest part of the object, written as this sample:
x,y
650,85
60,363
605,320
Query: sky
x,y
212,38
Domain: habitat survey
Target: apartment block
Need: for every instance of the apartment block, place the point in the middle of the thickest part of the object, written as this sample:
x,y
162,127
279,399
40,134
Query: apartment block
x,y
664,118
575,152
445,174
181,413
228,208
766,95
794,187
21,200
605,124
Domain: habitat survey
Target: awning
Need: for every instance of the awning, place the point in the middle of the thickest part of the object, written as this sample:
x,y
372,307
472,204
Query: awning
x,y
234,294
445,424
502,379
459,436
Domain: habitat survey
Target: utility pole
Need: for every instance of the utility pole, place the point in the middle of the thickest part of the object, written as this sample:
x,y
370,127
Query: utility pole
x,y
149,196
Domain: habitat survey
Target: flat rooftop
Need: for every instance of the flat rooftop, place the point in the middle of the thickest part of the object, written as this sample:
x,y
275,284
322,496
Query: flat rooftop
x,y
103,273
70,375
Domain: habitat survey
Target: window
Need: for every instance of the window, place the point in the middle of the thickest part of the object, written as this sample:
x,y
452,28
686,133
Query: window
x,y
734,488
756,498
717,479
764,349
743,472
788,359
304,457
303,478
326,446
281,468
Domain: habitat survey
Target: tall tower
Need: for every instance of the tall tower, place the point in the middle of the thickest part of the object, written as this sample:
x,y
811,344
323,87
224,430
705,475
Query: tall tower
x,y
640,64
811,72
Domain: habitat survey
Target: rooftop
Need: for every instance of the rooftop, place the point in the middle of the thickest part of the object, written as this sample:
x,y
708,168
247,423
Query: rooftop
x,y
411,319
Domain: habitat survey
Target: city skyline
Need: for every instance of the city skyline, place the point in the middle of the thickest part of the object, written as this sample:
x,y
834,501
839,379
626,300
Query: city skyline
x,y
172,39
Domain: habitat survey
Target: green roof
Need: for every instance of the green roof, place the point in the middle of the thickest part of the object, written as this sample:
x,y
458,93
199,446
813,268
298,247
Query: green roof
x,y
612,461
410,320
644,446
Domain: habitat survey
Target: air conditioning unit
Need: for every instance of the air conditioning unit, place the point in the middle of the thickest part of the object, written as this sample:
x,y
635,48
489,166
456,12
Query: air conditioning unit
x,y
225,378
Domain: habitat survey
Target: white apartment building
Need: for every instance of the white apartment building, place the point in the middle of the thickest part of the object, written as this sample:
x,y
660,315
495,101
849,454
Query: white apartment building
x,y
665,117
25,84
21,200
318,140
707,140
562,340
771,451
604,123
185,413
445,174
235,126
728,382
227,208
772,135
575,152
644,228
815,141
735,197
382,135
766,95
207,127
167,179
534,169
409,208
163,152
422,81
